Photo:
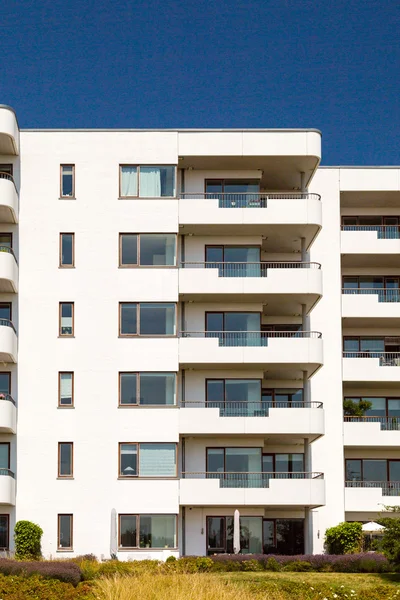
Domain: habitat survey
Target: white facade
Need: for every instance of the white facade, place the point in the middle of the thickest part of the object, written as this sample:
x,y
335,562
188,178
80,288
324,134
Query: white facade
x,y
283,454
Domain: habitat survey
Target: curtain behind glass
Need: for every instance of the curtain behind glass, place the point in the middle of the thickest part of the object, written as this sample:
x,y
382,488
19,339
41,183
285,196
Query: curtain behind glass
x,y
157,531
129,181
157,460
65,388
150,182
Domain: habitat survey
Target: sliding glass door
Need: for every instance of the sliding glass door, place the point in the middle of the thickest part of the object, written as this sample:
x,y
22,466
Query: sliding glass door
x,y
234,261
235,328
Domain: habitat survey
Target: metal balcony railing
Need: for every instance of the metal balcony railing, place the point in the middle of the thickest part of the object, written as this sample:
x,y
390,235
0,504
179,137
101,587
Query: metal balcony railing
x,y
6,473
248,269
386,359
7,398
249,480
244,408
386,423
384,294
8,177
247,200
248,338
389,488
384,232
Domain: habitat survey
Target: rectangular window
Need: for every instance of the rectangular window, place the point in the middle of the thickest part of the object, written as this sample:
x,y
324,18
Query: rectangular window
x,y
147,389
147,250
67,175
147,531
67,249
4,532
5,241
66,319
147,318
147,181
147,460
64,532
65,459
5,310
66,389
5,383
4,455
8,169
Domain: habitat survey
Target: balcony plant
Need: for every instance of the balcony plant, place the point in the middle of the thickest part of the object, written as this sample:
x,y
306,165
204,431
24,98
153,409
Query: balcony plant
x,y
355,409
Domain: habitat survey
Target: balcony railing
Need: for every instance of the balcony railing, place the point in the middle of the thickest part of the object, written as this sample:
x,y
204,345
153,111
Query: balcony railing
x,y
248,338
248,269
389,488
249,480
386,359
384,232
7,398
384,294
247,200
7,473
245,408
7,323
387,423
8,177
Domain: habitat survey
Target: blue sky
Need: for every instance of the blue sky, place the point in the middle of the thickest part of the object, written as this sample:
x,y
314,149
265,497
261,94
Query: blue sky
x,y
330,65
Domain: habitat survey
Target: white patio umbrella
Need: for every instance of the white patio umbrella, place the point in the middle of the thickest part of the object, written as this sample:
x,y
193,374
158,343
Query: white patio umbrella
x,y
236,532
373,527
113,534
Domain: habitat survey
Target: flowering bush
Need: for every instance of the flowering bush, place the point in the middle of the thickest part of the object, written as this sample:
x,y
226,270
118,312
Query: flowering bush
x,y
65,571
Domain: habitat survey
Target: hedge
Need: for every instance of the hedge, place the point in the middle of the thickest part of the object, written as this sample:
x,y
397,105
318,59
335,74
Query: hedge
x,y
65,571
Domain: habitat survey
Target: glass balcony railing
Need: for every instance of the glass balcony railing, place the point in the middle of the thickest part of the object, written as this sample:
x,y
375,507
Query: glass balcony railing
x,y
386,359
250,480
384,294
248,338
248,269
386,423
247,200
383,232
247,408
389,488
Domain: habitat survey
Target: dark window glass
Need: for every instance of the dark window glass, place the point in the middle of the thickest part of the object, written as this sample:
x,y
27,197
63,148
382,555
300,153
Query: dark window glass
x,y
5,383
350,283
353,470
128,531
128,460
269,537
215,390
394,408
66,316
157,388
67,249
290,536
157,249
129,247
65,458
5,240
65,531
215,460
375,470
67,180
4,456
5,310
128,325
394,470
4,531
157,319
128,388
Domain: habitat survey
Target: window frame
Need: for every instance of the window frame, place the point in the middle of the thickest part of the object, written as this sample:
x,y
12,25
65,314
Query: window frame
x,y
72,405
387,460
363,397
138,196
139,476
138,375
61,264
145,335
223,180
138,265
227,246
224,380
71,529
8,532
66,335
224,313
72,197
137,516
71,474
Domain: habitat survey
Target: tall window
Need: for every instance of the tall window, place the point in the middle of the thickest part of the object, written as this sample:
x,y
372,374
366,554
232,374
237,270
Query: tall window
x,y
146,318
65,459
147,460
5,383
147,249
67,249
64,532
4,455
66,389
4,532
67,181
147,531
147,389
147,181
66,328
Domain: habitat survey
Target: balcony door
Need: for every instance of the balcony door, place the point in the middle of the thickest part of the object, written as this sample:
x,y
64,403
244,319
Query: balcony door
x,y
235,328
234,261
234,193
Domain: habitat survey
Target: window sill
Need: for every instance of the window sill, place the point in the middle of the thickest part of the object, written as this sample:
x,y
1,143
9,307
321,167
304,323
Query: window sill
x,y
147,549
65,478
147,406
135,478
67,198
66,337
148,266
66,407
66,266
64,550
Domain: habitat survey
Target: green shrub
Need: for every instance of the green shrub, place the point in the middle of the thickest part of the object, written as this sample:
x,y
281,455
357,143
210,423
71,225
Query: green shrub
x,y
252,565
171,559
204,564
355,409
390,541
114,567
27,537
273,565
345,538
37,588
299,566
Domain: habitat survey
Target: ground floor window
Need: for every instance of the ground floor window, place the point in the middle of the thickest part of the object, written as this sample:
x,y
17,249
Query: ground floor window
x,y
147,531
4,532
257,535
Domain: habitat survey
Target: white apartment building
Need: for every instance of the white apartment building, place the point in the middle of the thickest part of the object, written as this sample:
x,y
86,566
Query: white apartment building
x,y
182,315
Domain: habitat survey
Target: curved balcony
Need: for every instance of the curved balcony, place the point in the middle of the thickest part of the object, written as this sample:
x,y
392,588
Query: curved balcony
x,y
7,487
371,366
8,414
370,245
9,132
376,432
288,285
280,217
8,199
278,419
371,496
8,270
284,353
8,342
253,489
